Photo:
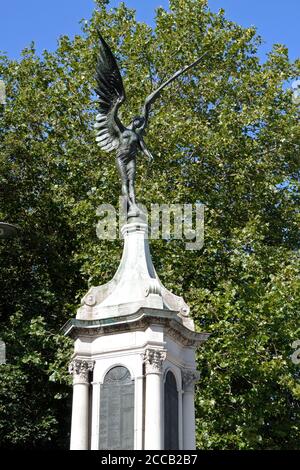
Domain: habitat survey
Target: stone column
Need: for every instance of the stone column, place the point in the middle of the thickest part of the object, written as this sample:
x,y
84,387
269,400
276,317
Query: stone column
x,y
138,412
80,408
189,377
95,415
153,360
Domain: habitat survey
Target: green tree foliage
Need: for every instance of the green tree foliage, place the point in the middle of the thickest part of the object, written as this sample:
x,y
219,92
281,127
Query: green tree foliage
x,y
226,135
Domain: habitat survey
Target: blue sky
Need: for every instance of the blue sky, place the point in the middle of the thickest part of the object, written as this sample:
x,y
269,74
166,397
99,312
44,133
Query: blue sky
x,y
22,21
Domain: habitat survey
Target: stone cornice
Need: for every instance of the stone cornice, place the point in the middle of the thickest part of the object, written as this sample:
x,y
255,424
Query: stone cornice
x,y
134,322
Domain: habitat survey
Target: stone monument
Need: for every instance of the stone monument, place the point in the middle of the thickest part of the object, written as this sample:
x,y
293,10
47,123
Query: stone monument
x,y
133,365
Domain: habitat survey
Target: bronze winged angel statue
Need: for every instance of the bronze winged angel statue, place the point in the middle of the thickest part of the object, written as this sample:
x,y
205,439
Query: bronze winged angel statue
x,y
111,133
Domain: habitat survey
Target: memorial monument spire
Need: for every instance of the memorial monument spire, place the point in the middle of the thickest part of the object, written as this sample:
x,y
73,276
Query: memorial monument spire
x,y
134,365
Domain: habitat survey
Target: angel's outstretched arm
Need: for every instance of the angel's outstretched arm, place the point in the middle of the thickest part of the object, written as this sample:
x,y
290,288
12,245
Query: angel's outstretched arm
x,y
153,96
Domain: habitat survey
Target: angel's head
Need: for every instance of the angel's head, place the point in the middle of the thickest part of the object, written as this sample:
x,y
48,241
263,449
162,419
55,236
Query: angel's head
x,y
137,123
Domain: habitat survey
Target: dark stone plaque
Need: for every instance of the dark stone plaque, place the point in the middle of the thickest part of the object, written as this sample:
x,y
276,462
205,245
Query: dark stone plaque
x,y
117,410
171,413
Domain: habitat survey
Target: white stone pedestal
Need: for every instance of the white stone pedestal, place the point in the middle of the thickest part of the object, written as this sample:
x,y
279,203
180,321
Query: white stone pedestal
x,y
134,324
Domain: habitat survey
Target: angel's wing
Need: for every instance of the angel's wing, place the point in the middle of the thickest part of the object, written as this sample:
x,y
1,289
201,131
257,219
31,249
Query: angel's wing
x,y
151,98
111,94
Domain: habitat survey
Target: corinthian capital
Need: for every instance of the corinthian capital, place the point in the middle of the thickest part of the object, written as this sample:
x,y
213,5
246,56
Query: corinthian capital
x,y
189,378
80,369
153,359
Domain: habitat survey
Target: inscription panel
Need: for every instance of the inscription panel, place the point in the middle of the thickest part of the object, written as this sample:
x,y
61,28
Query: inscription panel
x,y
117,411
